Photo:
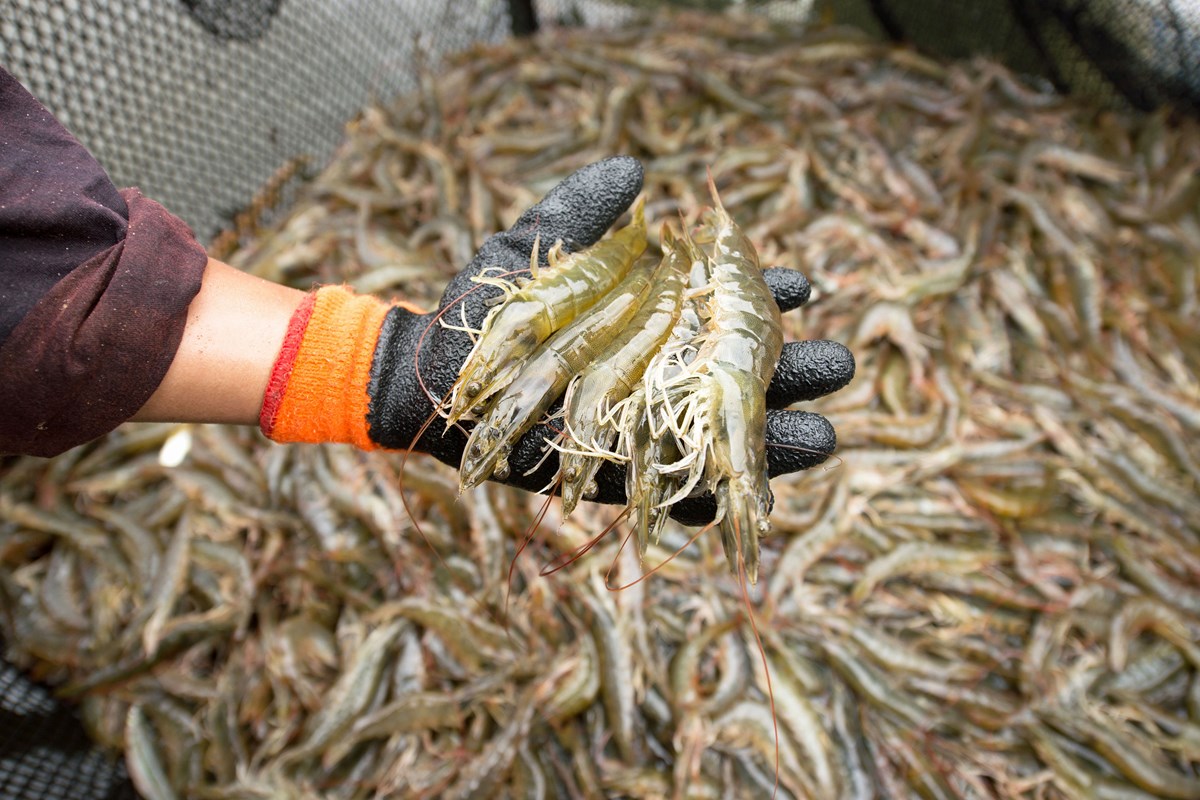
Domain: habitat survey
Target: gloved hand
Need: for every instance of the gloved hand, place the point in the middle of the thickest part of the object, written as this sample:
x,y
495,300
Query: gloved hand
x,y
354,373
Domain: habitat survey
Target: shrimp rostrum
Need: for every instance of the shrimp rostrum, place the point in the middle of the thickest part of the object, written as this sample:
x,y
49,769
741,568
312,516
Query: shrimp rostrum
x,y
711,404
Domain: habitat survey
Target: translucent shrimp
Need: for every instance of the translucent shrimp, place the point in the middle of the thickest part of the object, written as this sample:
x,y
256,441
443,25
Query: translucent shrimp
x,y
716,408
651,450
529,315
646,485
544,376
591,426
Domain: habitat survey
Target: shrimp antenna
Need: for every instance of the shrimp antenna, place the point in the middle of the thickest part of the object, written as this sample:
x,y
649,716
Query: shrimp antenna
x,y
525,542
579,552
762,654
438,404
801,449
656,567
413,517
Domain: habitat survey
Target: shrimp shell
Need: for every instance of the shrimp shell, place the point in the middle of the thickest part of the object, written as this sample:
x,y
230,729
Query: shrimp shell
x,y
546,374
652,451
716,408
593,394
557,294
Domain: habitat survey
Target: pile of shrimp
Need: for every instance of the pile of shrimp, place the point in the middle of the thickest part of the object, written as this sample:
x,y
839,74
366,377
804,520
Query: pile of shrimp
x,y
665,364
991,594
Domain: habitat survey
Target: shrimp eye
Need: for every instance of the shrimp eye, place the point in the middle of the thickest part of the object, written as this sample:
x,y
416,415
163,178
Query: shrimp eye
x,y
571,473
590,490
476,450
501,471
473,388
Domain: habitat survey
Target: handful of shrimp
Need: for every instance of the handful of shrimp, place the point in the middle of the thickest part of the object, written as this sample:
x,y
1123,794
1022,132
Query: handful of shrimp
x,y
699,420
530,313
669,380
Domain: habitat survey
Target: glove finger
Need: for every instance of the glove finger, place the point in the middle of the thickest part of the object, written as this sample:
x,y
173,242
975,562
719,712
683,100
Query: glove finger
x,y
797,440
808,370
790,287
581,208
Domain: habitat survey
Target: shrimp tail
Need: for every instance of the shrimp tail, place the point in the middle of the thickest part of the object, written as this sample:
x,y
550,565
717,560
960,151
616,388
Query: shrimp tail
x,y
741,510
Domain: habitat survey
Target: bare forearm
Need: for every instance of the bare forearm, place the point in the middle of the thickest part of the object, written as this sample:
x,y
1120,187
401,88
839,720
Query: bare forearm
x,y
235,328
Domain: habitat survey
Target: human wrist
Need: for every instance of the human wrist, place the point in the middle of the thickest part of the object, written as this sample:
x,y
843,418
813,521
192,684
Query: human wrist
x,y
220,369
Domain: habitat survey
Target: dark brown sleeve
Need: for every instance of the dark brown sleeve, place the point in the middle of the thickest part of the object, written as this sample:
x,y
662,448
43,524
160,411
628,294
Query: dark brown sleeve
x,y
94,286
57,206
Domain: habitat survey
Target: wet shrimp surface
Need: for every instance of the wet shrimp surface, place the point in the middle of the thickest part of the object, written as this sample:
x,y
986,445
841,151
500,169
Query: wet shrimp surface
x,y
990,592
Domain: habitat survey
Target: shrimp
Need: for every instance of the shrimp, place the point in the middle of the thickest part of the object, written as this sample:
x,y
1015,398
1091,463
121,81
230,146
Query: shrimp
x,y
543,378
646,484
530,314
648,448
593,394
716,407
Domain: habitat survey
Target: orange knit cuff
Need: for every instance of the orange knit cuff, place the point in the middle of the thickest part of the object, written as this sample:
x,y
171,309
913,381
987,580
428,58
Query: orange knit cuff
x,y
317,391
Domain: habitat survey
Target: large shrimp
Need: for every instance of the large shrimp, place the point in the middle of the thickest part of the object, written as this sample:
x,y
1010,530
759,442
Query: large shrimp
x,y
529,315
589,418
715,409
648,446
546,374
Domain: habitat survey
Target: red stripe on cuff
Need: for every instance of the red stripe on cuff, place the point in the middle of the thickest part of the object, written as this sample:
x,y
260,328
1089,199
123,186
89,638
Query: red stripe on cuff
x,y
282,370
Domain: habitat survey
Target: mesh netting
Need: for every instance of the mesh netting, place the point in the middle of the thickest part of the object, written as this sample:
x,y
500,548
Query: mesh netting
x,y
198,103
1144,53
44,752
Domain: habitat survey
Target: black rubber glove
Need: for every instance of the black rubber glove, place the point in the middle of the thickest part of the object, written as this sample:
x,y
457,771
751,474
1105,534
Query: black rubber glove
x,y
578,212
